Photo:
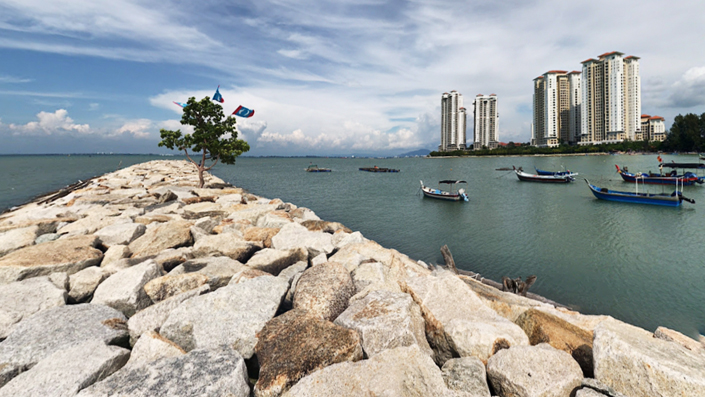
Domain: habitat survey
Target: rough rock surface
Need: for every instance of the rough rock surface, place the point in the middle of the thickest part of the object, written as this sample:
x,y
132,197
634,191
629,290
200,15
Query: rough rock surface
x,y
151,347
261,235
218,269
120,233
17,238
82,284
152,318
633,362
66,372
172,234
545,328
124,290
167,286
297,343
247,274
465,328
400,372
225,244
21,299
217,372
294,235
466,376
386,320
324,290
231,315
115,253
52,330
540,371
675,336
68,255
274,261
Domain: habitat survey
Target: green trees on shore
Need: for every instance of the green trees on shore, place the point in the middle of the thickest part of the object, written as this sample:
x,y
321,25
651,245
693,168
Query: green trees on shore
x,y
687,134
214,136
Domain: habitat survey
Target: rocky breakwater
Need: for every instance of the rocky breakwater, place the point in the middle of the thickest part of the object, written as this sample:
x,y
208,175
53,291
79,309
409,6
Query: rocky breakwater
x,y
141,284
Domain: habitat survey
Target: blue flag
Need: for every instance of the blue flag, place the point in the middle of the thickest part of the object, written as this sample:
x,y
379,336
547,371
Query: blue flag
x,y
243,112
217,96
183,105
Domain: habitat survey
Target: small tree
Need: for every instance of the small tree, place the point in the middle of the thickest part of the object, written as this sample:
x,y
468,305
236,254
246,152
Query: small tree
x,y
214,136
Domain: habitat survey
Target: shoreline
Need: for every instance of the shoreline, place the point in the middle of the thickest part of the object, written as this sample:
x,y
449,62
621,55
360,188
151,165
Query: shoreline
x,y
144,240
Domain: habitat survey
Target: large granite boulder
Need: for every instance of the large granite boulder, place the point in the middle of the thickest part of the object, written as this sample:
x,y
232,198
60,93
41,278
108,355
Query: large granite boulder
x,y
274,219
231,315
56,329
66,372
386,320
151,347
115,253
465,328
152,318
633,362
400,372
124,290
546,328
159,237
274,261
261,235
540,371
169,285
82,284
21,299
675,336
203,209
466,376
231,245
293,235
120,233
324,290
67,255
296,344
216,372
218,269
17,238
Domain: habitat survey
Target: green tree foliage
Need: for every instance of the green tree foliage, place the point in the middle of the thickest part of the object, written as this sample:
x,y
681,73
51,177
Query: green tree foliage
x,y
687,134
214,136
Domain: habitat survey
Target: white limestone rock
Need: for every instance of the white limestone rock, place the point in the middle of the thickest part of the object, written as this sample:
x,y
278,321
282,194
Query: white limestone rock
x,y
386,320
21,299
294,235
341,239
167,286
82,284
232,315
120,233
231,245
466,376
66,372
161,236
115,253
218,269
275,219
124,290
633,362
17,238
541,371
151,347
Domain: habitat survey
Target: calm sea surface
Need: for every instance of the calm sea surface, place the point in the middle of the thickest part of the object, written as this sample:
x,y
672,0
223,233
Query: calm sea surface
x,y
642,264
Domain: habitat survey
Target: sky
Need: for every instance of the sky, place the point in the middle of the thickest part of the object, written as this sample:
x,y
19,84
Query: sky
x,y
344,77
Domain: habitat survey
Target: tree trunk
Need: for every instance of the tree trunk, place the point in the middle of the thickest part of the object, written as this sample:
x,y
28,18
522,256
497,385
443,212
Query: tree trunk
x,y
201,181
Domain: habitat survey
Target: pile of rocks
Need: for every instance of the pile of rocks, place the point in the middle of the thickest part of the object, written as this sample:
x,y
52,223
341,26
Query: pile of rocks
x,y
141,284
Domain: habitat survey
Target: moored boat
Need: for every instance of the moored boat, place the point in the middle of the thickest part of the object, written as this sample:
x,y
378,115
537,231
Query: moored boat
x,y
444,195
671,200
378,169
526,177
542,172
315,168
650,178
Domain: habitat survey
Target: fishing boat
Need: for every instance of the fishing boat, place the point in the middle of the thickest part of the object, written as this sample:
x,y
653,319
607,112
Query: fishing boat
x,y
378,169
542,172
526,177
315,168
651,178
671,200
444,195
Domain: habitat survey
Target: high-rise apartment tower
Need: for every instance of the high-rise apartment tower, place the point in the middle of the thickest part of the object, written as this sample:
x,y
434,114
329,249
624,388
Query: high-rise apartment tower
x,y
486,122
556,108
453,119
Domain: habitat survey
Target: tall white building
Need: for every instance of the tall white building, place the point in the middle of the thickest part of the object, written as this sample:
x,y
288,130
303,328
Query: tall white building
x,y
611,99
453,120
486,121
575,98
555,108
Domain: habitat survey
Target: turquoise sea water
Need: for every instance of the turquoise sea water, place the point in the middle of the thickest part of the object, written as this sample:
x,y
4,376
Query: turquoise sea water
x,y
642,264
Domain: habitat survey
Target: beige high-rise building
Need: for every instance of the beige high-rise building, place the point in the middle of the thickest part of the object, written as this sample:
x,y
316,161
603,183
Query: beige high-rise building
x,y
486,120
653,128
611,99
453,122
555,108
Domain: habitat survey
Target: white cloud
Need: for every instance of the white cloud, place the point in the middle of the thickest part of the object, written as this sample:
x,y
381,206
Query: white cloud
x,y
141,128
13,80
689,91
93,106
57,123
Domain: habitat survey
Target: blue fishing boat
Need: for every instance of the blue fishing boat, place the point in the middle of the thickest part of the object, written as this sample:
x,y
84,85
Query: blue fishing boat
x,y
542,172
444,195
671,200
526,177
686,179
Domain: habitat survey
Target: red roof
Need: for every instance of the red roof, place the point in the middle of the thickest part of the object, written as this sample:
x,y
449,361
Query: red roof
x,y
540,77
478,95
631,57
656,118
502,144
610,53
575,72
493,94
556,72
645,116
589,60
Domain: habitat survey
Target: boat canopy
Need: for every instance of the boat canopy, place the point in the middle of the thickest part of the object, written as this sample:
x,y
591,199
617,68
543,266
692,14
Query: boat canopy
x,y
451,182
683,165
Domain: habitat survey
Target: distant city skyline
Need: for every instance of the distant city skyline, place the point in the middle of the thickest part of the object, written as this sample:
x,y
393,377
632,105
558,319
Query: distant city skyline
x,y
323,78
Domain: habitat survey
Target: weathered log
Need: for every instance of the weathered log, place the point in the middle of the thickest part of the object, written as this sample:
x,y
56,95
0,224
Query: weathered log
x,y
448,258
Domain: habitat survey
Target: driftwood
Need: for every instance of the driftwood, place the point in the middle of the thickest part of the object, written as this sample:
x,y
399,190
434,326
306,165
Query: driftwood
x,y
193,200
65,191
448,258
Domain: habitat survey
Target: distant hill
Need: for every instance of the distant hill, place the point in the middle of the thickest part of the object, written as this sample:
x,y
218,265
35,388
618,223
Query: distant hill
x,y
420,152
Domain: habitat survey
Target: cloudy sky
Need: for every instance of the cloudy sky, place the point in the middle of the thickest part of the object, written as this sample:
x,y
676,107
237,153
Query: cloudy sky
x,y
326,78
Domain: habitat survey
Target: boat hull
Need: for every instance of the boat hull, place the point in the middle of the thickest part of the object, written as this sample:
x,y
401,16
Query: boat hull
x,y
659,180
376,169
666,200
443,195
542,172
319,170
544,178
